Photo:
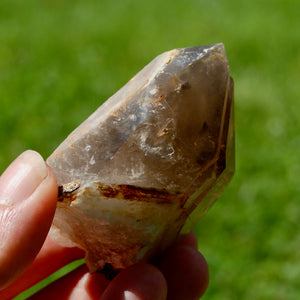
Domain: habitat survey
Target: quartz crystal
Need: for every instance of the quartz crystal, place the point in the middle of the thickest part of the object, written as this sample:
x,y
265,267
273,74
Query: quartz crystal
x,y
149,162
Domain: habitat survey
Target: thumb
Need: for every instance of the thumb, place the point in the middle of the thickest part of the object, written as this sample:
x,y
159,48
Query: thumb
x,y
28,193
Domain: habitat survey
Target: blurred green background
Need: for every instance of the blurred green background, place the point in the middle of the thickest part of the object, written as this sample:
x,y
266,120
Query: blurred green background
x,y
59,60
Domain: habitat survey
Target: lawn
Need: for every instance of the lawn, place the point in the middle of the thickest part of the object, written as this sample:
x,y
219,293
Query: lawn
x,y
59,60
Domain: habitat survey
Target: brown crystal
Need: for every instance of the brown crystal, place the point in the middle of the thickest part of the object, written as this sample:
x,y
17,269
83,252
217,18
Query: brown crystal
x,y
150,161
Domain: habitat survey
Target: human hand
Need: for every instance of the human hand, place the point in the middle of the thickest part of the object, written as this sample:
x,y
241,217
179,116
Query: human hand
x,y
28,195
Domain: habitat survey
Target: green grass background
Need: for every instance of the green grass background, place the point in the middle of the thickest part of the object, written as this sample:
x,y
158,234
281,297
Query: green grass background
x,y
59,60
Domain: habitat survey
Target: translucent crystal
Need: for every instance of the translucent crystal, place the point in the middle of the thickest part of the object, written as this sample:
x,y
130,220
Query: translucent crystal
x,y
150,161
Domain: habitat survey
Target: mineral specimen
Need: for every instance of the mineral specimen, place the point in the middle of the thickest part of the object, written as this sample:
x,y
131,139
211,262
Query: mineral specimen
x,y
149,162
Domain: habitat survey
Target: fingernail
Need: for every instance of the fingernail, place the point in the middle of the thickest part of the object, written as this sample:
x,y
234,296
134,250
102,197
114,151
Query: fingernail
x,y
22,178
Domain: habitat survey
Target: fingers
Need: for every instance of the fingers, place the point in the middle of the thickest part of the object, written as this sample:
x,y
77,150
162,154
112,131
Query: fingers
x,y
186,272
28,193
83,285
139,282
41,268
184,268
79,284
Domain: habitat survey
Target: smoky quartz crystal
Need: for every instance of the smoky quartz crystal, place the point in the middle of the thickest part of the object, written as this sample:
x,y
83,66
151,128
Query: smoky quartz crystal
x,y
149,162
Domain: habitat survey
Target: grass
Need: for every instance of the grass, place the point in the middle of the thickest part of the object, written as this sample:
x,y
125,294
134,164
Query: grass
x,y
59,60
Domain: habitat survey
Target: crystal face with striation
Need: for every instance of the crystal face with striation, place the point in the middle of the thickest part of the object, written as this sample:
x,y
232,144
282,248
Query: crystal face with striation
x,y
150,161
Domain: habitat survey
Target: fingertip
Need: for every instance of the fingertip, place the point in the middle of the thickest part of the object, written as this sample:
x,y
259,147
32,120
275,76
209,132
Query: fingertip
x,y
189,239
186,272
138,282
26,213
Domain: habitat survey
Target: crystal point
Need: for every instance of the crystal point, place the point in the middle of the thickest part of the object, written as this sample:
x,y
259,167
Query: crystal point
x,y
150,161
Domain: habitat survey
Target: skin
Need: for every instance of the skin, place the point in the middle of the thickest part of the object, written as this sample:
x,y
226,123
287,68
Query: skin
x,y
28,195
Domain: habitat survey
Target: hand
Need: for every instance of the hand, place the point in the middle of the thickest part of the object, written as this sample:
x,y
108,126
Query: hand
x,y
28,195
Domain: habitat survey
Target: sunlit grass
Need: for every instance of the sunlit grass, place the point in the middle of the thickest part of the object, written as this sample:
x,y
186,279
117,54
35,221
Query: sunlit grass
x,y
55,276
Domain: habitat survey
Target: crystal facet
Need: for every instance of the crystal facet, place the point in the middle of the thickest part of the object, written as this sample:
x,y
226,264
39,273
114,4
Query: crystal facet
x,y
150,161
